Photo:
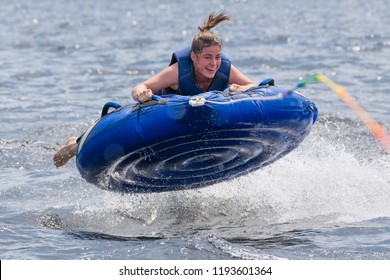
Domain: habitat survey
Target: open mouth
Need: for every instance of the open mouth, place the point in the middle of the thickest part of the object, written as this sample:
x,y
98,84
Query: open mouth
x,y
211,71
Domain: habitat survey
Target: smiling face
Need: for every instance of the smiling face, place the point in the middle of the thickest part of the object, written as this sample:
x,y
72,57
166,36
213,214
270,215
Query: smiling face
x,y
207,62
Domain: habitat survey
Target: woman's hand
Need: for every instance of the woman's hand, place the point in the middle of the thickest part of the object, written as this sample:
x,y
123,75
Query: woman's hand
x,y
142,94
238,88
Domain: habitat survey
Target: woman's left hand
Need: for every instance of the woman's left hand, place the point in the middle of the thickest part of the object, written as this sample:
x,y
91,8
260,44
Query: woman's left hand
x,y
238,88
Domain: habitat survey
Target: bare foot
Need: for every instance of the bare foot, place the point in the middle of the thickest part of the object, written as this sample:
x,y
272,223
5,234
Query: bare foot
x,y
66,152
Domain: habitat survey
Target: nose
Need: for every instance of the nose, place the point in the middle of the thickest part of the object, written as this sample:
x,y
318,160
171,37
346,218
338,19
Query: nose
x,y
214,61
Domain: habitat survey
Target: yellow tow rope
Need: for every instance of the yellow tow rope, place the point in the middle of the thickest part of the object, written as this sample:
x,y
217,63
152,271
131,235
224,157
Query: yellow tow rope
x,y
378,131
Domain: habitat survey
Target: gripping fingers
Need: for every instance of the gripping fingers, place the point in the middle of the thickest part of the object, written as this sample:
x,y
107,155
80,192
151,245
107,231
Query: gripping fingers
x,y
144,96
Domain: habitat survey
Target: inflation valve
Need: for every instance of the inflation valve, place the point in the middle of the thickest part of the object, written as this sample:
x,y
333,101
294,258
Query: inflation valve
x,y
197,101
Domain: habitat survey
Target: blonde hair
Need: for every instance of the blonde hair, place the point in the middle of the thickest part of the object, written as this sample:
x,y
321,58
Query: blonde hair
x,y
205,37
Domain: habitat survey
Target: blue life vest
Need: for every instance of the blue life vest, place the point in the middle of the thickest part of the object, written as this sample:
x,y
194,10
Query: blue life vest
x,y
187,84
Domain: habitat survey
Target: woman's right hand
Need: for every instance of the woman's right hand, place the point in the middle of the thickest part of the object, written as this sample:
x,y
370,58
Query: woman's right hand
x,y
142,94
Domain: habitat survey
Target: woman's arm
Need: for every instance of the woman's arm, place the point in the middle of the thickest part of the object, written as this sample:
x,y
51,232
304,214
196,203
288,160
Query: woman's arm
x,y
169,77
238,81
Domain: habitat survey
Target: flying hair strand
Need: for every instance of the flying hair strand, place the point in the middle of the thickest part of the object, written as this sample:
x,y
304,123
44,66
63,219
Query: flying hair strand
x,y
212,21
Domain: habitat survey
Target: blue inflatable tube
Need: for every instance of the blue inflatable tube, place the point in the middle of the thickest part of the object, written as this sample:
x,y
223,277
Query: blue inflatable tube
x,y
182,142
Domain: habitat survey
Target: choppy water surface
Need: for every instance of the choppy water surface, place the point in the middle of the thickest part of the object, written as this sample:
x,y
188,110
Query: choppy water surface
x,y
60,61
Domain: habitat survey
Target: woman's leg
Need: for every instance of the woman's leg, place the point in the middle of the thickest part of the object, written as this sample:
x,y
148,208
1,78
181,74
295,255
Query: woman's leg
x,y
66,152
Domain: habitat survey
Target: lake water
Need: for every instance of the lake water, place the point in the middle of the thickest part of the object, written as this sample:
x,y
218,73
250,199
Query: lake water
x,y
60,61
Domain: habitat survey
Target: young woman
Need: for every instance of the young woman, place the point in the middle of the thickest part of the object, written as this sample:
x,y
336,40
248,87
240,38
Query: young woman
x,y
200,68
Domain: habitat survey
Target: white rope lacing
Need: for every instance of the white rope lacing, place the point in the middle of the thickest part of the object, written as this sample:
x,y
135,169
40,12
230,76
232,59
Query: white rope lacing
x,y
197,101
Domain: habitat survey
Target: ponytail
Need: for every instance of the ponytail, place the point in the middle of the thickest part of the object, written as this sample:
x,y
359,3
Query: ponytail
x,y
212,21
205,37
